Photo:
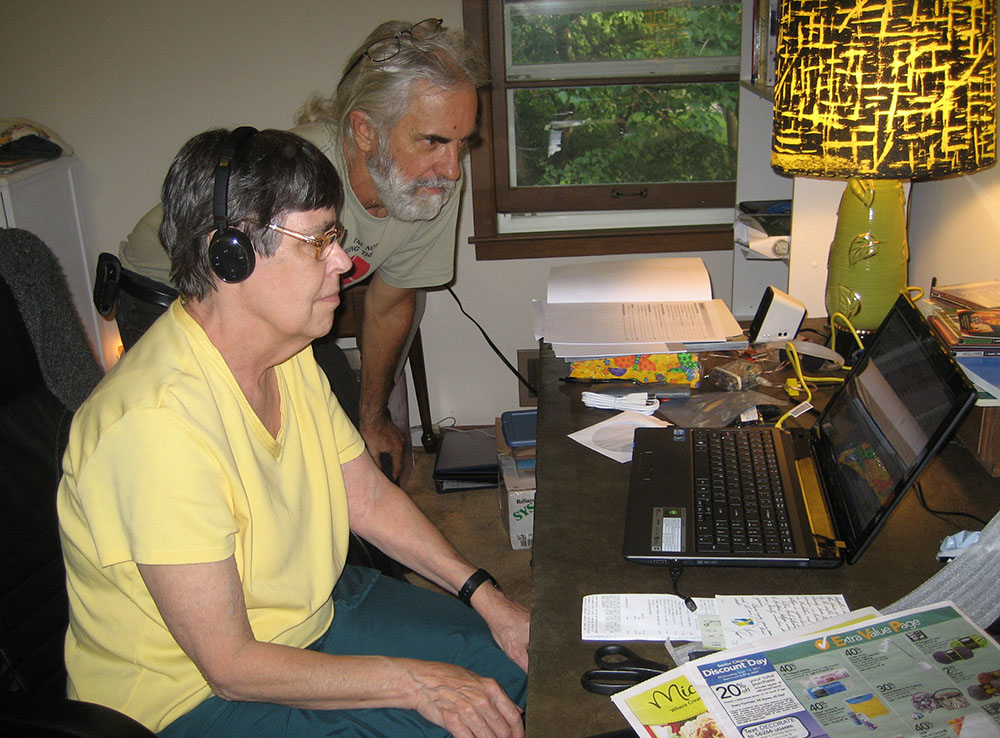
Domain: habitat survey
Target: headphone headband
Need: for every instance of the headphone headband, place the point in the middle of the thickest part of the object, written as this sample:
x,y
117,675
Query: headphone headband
x,y
232,147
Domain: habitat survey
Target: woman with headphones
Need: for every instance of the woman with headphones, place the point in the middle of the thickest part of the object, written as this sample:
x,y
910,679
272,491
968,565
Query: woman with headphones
x,y
211,482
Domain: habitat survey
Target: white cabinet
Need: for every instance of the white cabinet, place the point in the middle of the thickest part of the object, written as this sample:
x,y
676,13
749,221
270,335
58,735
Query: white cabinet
x,y
42,199
755,180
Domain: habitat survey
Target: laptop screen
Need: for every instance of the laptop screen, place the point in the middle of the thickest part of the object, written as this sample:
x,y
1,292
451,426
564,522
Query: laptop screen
x,y
899,404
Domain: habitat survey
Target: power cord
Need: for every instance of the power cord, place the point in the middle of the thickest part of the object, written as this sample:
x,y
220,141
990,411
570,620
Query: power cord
x,y
639,402
493,346
676,569
911,292
938,513
850,327
793,389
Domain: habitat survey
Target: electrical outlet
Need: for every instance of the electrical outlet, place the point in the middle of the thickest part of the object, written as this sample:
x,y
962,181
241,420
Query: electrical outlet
x,y
527,365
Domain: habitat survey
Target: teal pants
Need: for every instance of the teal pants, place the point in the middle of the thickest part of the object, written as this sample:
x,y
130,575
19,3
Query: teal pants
x,y
373,615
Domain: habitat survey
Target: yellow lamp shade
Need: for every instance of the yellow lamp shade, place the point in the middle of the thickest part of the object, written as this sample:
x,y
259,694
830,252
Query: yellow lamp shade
x,y
885,88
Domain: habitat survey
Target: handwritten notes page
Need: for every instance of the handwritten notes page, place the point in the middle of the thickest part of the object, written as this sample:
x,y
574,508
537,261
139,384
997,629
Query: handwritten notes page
x,y
747,618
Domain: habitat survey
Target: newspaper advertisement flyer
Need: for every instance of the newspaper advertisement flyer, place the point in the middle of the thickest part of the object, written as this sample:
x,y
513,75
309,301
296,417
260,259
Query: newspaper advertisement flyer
x,y
923,673
669,705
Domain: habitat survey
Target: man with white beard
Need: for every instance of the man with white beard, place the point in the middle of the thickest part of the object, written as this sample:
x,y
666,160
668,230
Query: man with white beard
x,y
396,129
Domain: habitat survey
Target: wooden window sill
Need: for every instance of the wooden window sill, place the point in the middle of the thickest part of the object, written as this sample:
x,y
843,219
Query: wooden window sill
x,y
665,239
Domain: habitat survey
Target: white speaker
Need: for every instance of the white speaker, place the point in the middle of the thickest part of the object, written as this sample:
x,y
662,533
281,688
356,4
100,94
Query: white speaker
x,y
778,318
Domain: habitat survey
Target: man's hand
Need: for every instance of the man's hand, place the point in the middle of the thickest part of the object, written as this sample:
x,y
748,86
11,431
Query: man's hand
x,y
388,317
383,437
465,704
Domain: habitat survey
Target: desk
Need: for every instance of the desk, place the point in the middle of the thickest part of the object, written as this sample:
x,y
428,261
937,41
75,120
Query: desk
x,y
579,516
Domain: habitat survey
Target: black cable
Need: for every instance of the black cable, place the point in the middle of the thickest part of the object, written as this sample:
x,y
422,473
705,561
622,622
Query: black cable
x,y
493,346
824,335
923,503
676,569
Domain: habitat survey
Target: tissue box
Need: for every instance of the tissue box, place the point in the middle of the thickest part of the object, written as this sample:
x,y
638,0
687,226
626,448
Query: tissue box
x,y
517,501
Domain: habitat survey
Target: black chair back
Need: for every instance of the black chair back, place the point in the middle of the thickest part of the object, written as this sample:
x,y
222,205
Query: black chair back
x,y
33,428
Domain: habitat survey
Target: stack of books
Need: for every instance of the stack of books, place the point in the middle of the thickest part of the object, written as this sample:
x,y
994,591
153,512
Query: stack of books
x,y
966,317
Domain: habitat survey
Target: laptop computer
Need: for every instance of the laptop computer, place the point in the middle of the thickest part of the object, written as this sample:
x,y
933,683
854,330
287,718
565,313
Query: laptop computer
x,y
840,479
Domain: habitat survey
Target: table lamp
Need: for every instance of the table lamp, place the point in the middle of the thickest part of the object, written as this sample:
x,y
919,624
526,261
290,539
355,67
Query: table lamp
x,y
875,91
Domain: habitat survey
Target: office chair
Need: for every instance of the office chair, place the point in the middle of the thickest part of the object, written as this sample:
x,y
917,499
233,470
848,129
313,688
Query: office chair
x,y
48,370
970,581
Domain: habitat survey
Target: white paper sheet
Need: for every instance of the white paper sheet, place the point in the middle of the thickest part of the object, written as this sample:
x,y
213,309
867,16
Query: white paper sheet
x,y
625,323
613,437
657,279
641,617
748,618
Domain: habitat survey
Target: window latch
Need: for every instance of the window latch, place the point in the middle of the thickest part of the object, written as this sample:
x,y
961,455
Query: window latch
x,y
617,194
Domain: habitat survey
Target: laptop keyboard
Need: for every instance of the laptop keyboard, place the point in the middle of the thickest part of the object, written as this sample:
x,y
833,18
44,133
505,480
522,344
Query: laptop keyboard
x,y
739,500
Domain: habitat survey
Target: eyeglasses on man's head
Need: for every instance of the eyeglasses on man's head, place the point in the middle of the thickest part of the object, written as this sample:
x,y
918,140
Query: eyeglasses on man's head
x,y
323,244
383,49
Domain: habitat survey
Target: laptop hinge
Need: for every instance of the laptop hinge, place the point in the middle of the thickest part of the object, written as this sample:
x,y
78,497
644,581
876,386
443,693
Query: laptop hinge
x,y
819,517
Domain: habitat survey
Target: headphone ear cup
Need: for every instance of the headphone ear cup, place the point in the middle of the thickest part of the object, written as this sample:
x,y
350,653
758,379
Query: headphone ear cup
x,y
231,255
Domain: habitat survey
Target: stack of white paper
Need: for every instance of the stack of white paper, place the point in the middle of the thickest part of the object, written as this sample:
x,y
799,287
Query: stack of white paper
x,y
636,306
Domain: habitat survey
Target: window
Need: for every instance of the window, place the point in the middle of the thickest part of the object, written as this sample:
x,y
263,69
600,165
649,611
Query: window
x,y
600,109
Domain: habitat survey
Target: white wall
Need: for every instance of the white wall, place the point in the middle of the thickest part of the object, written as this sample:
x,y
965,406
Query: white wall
x,y
127,82
955,229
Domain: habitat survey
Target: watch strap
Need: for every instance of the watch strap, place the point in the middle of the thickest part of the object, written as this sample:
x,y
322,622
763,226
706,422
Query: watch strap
x,y
472,584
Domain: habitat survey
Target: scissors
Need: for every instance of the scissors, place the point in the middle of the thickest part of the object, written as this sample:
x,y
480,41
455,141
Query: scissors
x,y
618,668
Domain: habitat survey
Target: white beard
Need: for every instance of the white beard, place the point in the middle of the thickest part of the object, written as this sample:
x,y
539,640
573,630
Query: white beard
x,y
401,197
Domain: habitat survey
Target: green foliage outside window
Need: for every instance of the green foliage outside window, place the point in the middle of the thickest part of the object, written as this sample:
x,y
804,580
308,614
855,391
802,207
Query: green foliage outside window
x,y
668,32
628,132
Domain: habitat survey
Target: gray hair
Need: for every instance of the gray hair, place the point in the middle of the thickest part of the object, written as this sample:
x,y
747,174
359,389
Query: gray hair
x,y
382,90
277,173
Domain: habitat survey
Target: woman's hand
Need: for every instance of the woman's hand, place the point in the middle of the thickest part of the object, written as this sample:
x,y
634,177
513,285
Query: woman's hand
x,y
463,703
508,621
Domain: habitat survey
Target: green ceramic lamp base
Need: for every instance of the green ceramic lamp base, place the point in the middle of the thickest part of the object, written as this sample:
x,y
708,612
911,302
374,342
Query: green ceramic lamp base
x,y
867,265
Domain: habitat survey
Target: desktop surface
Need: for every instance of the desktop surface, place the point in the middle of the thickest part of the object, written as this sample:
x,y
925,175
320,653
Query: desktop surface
x,y
577,551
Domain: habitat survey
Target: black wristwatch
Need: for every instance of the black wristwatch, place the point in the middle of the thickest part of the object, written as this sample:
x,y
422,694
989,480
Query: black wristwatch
x,y
472,584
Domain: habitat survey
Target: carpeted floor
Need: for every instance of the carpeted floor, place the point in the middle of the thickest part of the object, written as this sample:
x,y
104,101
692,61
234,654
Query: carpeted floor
x,y
471,520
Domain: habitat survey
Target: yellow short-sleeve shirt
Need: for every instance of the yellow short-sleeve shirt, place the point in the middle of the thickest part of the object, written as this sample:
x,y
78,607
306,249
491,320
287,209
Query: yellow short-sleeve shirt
x,y
168,464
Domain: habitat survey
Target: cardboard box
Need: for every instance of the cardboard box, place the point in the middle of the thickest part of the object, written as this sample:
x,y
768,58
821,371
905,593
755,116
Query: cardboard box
x,y
517,501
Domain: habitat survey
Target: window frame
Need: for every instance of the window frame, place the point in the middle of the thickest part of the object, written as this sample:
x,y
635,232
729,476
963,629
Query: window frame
x,y
492,194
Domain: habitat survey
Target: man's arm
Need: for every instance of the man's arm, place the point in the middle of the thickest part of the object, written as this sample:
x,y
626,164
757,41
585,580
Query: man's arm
x,y
388,316
385,515
204,608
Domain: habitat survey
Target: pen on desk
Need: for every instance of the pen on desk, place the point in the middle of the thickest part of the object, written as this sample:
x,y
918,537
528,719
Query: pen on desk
x,y
658,390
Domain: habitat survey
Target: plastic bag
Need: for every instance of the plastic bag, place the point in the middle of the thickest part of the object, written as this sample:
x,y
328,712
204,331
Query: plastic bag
x,y
714,409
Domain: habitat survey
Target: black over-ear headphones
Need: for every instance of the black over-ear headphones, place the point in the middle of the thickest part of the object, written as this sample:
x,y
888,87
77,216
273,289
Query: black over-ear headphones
x,y
230,252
